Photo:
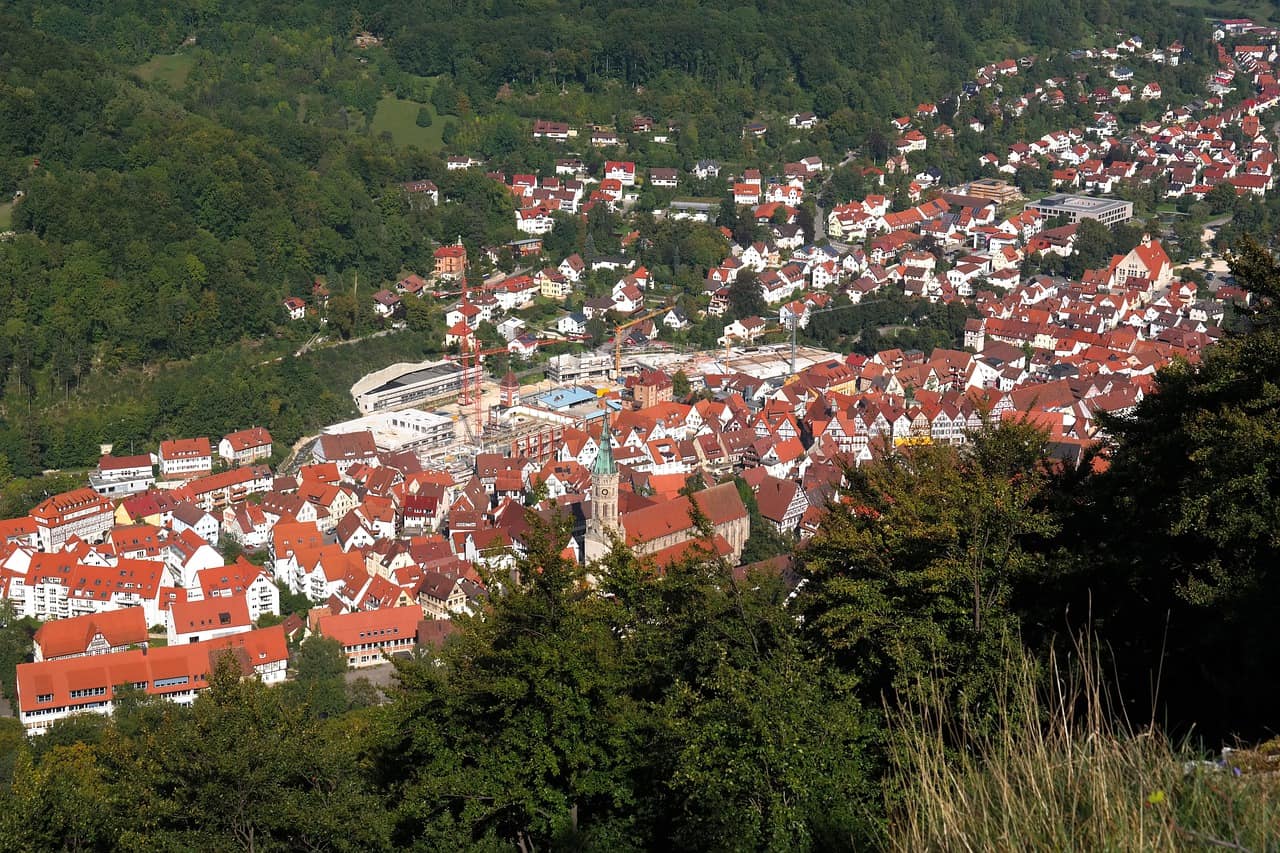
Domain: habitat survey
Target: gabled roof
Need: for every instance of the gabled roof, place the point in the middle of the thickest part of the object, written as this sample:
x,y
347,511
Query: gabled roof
x,y
212,614
62,637
387,623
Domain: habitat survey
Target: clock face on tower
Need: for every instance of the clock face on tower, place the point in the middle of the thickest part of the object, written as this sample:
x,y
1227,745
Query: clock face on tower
x,y
604,493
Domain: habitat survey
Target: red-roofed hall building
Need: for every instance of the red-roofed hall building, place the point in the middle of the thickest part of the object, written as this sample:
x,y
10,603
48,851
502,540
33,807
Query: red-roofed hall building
x,y
52,690
371,636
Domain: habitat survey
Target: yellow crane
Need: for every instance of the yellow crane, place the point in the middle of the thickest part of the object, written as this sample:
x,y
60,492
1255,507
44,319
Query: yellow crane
x,y
617,336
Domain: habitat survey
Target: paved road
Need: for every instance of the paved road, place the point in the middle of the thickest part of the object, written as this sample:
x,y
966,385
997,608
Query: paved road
x,y
381,676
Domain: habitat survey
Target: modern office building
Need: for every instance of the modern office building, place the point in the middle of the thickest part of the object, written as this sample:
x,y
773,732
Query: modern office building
x,y
1108,211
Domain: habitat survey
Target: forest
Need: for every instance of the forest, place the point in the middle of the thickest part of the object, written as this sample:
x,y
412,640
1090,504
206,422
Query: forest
x,y
949,596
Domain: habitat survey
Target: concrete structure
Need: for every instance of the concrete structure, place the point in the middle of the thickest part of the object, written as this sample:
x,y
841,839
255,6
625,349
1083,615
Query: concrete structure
x,y
1108,211
403,385
573,368
396,432
994,189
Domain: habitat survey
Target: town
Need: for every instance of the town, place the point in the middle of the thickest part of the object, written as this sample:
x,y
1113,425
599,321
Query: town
x,y
633,412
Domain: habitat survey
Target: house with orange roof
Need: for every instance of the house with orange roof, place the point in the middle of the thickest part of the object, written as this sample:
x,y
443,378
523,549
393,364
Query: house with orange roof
x,y
53,690
451,261
91,634
58,586
207,619
244,446
247,524
241,578
19,531
181,458
186,554
323,572
371,637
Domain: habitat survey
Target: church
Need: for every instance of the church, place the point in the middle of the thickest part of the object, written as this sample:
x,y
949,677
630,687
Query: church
x,y
662,530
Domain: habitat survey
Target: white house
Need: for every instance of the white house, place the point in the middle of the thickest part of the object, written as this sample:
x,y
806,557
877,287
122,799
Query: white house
x,y
245,446
185,457
260,592
197,621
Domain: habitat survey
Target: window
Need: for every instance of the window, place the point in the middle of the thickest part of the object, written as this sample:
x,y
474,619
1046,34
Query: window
x,y
170,682
44,697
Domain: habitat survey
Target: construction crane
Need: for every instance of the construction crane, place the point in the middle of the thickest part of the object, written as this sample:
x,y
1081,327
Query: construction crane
x,y
617,337
472,378
792,325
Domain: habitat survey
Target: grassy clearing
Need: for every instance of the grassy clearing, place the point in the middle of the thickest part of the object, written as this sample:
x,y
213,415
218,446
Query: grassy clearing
x,y
1260,11
399,117
1059,774
6,216
172,69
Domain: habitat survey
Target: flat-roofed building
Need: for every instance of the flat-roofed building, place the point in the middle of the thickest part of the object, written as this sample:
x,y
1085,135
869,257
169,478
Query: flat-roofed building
x,y
123,475
403,385
1108,211
1001,192
397,432
573,368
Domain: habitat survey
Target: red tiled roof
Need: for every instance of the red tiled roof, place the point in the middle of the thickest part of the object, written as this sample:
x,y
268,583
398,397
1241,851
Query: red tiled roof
x,y
62,637
352,628
222,612
57,679
247,439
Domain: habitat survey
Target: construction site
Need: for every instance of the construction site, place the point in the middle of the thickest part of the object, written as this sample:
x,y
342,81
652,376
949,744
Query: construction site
x,y
525,414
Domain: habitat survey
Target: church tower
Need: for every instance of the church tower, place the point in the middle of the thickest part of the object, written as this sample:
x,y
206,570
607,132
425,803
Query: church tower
x,y
604,499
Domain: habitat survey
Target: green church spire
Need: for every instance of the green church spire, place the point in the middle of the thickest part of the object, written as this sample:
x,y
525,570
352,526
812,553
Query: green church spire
x,y
604,459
